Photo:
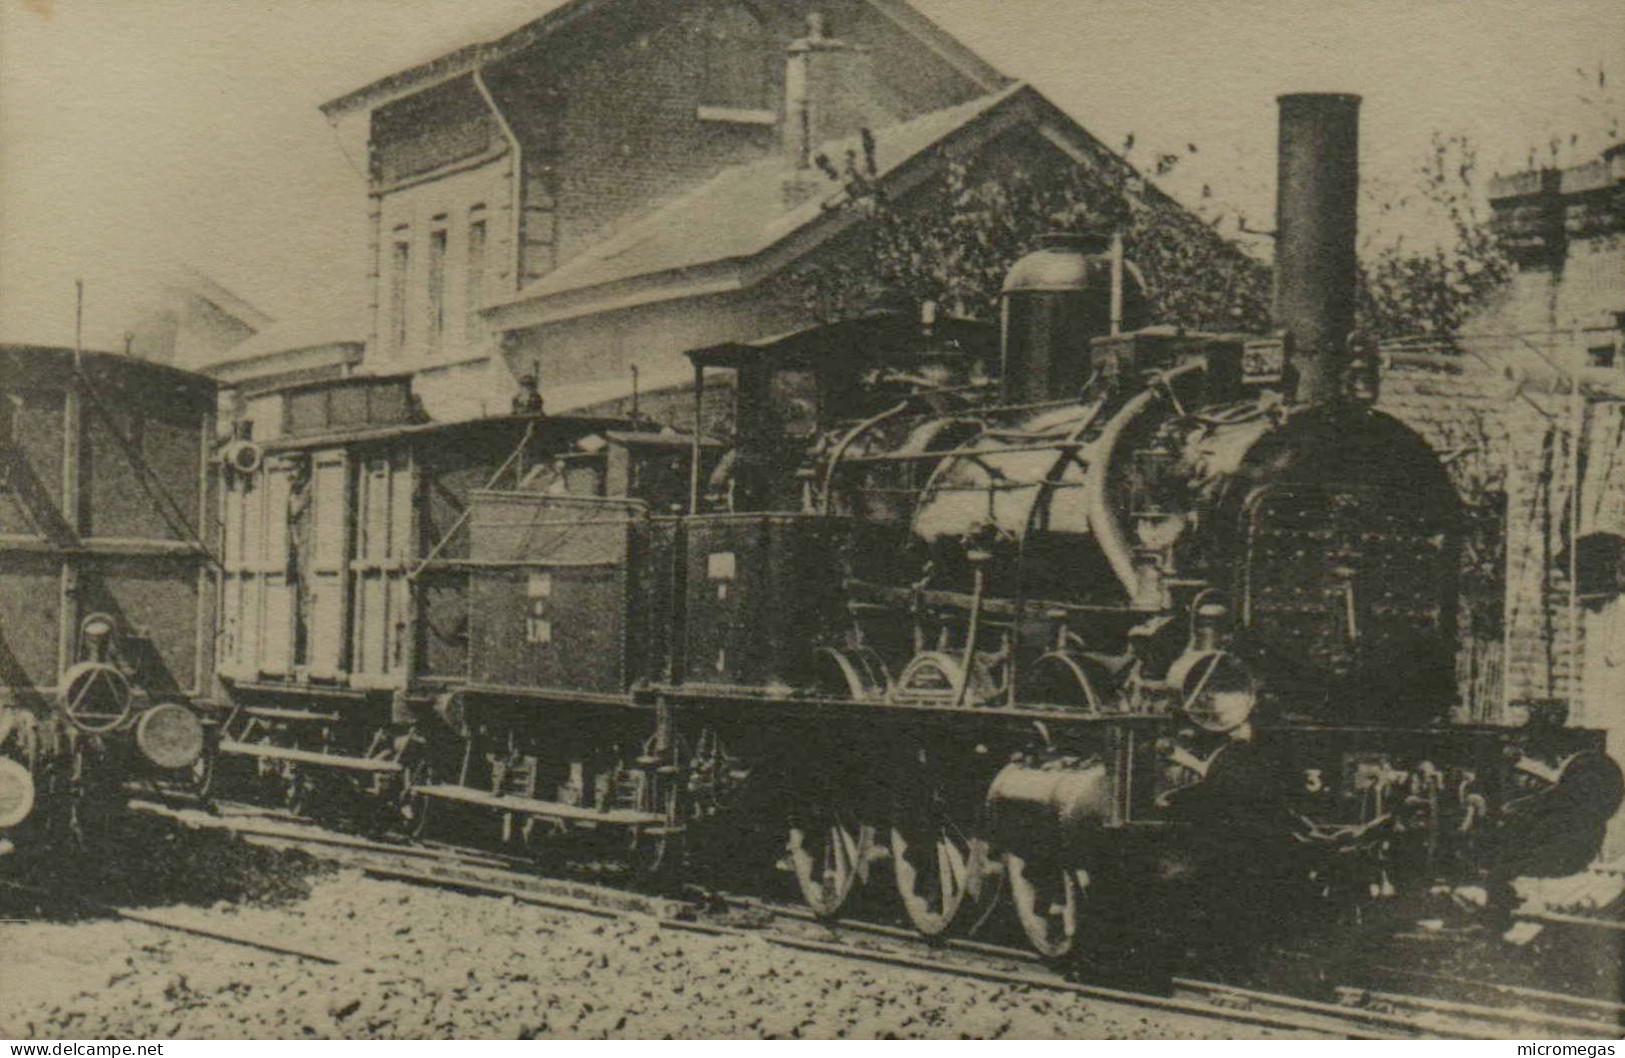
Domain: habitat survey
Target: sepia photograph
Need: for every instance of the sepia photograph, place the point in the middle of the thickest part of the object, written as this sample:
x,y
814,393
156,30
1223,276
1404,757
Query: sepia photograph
x,y
811,519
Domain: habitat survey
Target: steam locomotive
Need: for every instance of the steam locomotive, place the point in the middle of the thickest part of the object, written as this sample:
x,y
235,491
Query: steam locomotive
x,y
106,583
1066,607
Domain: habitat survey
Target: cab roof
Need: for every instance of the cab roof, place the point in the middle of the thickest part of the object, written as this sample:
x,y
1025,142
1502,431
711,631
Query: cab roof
x,y
879,337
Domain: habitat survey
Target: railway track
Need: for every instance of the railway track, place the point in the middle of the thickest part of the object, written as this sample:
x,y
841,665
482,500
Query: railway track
x,y
1358,1013
173,923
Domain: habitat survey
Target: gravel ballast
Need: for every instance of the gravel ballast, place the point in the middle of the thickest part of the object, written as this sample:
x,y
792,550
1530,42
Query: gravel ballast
x,y
426,963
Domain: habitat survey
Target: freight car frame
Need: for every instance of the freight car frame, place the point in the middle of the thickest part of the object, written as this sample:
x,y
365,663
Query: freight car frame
x,y
106,578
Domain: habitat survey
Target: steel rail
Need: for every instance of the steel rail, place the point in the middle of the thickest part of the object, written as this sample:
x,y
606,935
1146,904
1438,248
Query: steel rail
x,y
1361,1013
158,921
1496,1022
601,902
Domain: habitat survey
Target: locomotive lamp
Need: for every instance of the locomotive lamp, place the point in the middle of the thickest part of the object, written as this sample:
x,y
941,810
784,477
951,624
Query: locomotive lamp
x,y
96,637
170,736
1216,690
242,456
98,697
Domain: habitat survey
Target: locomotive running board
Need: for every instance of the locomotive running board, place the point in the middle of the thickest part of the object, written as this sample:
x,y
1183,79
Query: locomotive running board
x,y
265,712
305,756
618,817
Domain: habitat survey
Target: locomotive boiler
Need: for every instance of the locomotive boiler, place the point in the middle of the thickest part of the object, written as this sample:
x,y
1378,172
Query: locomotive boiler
x,y
106,589
1063,610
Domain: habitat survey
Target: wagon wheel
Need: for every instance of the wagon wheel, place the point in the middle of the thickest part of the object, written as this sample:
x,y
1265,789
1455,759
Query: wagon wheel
x,y
268,781
1048,899
415,812
826,851
655,852
400,806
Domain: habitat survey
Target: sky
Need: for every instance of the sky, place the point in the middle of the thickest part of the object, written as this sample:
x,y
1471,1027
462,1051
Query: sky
x,y
139,134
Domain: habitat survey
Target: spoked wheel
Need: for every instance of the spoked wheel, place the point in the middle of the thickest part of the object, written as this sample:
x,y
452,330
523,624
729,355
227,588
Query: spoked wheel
x,y
1049,901
826,852
935,865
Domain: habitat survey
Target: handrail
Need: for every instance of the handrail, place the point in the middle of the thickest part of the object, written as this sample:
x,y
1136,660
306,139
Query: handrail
x,y
1109,532
445,538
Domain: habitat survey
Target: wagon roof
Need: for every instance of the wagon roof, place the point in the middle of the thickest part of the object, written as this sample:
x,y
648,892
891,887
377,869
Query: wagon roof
x,y
450,431
53,365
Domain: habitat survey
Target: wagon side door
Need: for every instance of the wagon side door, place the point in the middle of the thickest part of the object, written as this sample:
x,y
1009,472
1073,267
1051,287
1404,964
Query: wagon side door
x,y
384,531
325,596
274,656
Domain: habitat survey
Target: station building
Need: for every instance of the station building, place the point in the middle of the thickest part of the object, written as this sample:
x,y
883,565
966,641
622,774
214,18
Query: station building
x,y
618,181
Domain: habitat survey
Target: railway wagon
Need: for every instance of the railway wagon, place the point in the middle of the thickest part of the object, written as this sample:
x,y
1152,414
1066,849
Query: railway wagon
x,y
351,587
106,579
1073,609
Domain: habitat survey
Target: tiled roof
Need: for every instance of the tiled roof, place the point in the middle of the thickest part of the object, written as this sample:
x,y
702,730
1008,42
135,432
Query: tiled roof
x,y
297,333
742,211
460,60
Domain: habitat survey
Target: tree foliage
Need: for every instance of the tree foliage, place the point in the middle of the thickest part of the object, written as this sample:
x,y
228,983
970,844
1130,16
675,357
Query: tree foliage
x,y
1433,257
952,241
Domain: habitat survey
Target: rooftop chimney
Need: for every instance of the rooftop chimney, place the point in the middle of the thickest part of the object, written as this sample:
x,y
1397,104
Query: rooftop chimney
x,y
829,93
1315,207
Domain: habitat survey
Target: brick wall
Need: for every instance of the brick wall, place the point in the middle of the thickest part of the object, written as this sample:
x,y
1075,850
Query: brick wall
x,y
628,134
1509,436
611,119
1506,409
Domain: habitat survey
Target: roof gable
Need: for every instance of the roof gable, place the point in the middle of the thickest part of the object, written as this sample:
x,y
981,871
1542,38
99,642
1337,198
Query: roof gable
x,y
736,228
559,14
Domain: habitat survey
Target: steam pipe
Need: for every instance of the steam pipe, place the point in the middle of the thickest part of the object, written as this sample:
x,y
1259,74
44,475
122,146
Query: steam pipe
x,y
1108,529
1315,216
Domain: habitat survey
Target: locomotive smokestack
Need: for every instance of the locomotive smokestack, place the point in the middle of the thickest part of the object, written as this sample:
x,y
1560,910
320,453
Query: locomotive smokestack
x,y
1319,178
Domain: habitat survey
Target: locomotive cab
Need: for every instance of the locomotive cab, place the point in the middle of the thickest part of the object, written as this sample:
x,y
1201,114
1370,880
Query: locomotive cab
x,y
792,391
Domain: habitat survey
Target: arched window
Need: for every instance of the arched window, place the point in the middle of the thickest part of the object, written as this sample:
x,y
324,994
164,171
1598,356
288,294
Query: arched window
x,y
739,64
